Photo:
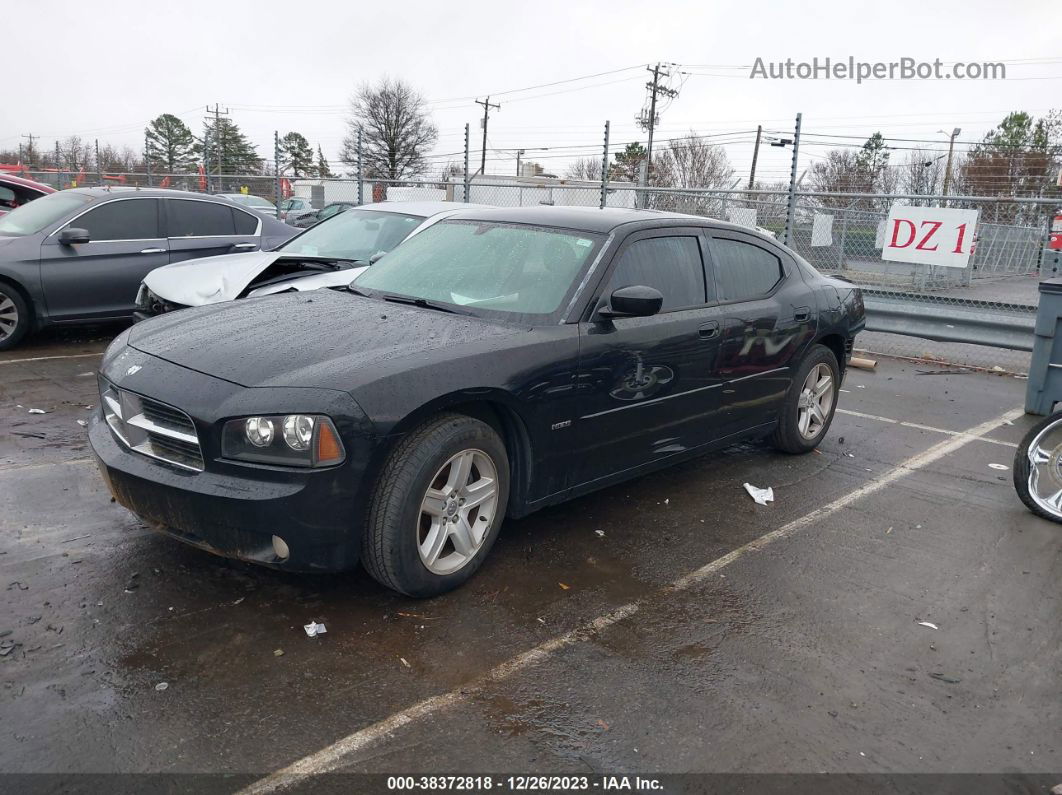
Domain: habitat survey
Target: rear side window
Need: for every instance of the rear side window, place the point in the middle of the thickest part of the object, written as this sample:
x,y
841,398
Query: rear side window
x,y
189,218
245,224
128,219
744,271
672,265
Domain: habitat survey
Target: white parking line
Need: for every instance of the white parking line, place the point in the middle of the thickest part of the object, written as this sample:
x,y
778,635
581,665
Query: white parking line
x,y
333,756
915,425
49,358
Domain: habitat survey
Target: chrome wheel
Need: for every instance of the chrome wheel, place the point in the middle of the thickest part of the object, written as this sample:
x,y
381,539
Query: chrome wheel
x,y
815,402
1045,469
8,317
456,511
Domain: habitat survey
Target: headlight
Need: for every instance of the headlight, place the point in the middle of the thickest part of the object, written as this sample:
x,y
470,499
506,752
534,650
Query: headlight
x,y
300,440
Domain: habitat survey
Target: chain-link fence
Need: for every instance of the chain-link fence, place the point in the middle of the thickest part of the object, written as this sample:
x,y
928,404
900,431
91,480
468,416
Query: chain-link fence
x,y
839,234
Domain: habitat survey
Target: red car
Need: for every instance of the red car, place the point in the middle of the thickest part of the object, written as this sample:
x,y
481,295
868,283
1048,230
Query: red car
x,y
16,191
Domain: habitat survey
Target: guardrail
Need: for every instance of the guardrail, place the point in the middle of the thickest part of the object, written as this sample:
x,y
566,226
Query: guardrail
x,y
938,318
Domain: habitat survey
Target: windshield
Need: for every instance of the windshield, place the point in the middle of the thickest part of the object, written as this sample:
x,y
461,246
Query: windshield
x,y
29,219
355,235
493,269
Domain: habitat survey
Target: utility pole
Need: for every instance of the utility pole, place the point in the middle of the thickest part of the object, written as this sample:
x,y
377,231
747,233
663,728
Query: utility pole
x,y
655,90
218,113
31,150
604,170
951,149
276,169
58,175
791,204
519,154
755,156
486,117
99,166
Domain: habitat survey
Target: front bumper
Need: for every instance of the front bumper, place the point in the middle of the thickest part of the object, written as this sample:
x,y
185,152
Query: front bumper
x,y
234,510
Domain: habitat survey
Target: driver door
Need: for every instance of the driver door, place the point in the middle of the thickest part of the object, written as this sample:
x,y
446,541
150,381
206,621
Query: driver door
x,y
648,386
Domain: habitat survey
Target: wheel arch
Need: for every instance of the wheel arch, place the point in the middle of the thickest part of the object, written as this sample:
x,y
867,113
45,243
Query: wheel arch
x,y
20,288
836,343
498,409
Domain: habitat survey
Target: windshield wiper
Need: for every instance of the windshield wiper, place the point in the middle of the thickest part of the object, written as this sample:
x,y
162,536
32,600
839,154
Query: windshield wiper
x,y
424,303
350,288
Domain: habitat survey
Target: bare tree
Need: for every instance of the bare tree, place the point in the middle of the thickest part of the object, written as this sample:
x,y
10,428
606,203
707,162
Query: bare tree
x,y
74,153
922,172
692,162
585,168
396,131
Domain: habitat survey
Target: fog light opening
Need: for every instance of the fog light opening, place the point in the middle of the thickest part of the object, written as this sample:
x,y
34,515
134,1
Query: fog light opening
x,y
280,548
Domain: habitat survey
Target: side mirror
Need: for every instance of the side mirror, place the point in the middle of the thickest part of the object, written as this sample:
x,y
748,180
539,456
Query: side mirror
x,y
72,235
376,257
637,300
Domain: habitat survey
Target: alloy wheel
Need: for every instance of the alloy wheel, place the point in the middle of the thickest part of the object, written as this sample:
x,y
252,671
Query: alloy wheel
x,y
8,316
815,401
1045,470
456,511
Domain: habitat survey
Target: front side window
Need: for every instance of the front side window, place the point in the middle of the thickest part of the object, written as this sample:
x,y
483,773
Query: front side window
x,y
354,235
189,218
491,269
40,214
671,265
128,219
744,271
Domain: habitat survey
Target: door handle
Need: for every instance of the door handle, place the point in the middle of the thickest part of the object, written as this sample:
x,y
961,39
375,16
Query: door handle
x,y
709,330
153,251
245,245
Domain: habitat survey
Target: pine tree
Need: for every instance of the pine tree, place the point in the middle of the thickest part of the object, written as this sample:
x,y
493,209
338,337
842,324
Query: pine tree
x,y
297,155
169,146
226,143
323,168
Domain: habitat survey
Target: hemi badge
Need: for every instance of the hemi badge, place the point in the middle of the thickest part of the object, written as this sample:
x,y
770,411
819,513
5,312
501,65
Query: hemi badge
x,y
558,425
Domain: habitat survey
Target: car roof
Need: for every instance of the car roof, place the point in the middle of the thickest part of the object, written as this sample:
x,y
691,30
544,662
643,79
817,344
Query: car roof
x,y
587,219
25,183
161,193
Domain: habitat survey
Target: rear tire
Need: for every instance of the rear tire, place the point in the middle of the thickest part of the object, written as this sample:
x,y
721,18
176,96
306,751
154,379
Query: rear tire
x,y
15,317
815,385
438,506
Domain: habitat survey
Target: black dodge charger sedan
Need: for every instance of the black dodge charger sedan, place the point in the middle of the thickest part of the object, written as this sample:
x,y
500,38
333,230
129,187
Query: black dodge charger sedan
x,y
501,361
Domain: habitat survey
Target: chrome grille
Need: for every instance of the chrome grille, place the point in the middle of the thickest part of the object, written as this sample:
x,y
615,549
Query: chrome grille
x,y
151,428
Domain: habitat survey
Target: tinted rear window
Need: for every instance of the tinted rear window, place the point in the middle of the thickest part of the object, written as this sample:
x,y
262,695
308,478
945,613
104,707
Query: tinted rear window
x,y
744,271
245,224
189,218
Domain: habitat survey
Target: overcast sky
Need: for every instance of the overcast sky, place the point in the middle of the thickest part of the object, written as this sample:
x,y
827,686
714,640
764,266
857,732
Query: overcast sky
x,y
103,70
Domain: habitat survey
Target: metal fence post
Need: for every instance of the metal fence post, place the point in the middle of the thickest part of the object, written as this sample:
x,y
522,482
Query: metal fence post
x,y
604,171
467,182
361,176
58,165
790,208
147,159
276,169
99,167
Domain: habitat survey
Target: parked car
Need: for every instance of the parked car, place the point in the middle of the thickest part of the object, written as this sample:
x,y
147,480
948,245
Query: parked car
x,y
496,363
16,191
294,208
78,256
254,202
315,217
329,255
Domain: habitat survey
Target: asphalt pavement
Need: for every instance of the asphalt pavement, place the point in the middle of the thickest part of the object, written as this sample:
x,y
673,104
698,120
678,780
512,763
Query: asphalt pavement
x,y
666,625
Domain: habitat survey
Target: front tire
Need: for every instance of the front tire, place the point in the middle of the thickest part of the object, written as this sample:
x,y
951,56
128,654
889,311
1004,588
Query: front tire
x,y
15,318
437,507
810,403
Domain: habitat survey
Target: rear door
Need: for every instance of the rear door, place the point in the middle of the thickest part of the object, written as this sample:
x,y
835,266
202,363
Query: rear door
x,y
99,279
649,386
768,319
198,228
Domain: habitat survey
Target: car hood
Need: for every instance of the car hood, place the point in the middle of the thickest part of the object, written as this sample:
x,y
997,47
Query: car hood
x,y
209,280
325,339
315,282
